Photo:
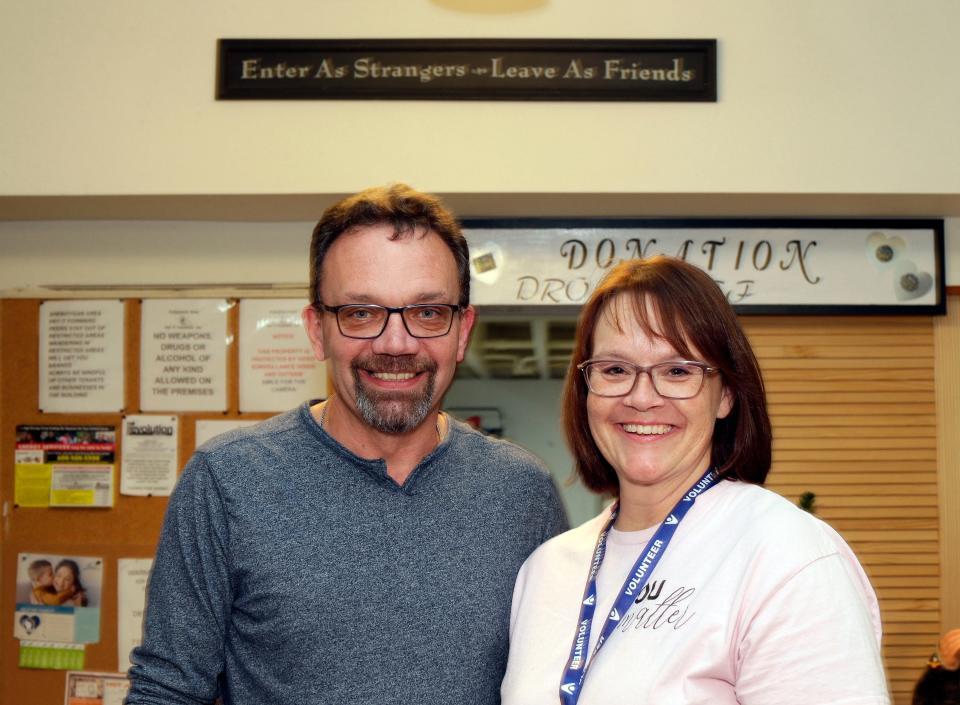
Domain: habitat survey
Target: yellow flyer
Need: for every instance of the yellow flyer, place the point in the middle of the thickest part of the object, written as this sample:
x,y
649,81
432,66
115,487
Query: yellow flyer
x,y
65,466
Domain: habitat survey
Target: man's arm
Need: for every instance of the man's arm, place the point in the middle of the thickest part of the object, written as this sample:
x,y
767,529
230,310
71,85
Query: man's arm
x,y
556,514
188,598
553,515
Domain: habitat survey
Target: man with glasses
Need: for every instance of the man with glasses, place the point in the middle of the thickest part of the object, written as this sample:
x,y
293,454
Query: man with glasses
x,y
361,549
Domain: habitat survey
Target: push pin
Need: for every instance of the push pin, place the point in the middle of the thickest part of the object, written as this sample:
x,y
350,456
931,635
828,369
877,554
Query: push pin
x,y
884,253
484,263
909,282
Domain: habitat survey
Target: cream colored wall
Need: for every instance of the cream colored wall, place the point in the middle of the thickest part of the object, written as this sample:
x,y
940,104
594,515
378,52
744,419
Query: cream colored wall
x,y
148,253
105,97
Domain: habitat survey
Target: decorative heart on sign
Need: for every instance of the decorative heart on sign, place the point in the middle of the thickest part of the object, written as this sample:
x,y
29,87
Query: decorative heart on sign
x,y
884,252
909,282
29,622
486,262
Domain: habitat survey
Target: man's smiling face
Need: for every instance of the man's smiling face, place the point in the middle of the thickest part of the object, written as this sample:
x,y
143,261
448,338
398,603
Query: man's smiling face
x,y
394,381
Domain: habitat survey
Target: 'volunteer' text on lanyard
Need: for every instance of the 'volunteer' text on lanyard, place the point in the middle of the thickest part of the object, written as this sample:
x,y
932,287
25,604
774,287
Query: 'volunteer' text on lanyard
x,y
576,668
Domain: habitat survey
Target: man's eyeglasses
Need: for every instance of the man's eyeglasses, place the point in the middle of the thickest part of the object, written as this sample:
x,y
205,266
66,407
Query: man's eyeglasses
x,y
370,320
682,379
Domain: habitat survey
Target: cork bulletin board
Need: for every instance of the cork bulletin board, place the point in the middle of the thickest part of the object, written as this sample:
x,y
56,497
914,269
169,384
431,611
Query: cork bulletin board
x,y
127,530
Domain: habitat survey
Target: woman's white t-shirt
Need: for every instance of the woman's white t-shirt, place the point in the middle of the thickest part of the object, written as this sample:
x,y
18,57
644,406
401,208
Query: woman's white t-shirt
x,y
754,602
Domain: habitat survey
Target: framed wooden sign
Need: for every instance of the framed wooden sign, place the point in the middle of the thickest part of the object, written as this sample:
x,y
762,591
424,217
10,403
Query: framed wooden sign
x,y
468,69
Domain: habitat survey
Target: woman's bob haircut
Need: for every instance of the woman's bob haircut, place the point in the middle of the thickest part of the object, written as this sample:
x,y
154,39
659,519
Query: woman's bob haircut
x,y
689,312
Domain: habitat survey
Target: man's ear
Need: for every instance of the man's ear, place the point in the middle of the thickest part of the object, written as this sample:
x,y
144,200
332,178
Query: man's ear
x,y
467,318
313,324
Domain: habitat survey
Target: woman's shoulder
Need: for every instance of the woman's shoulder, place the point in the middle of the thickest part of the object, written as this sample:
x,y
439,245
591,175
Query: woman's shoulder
x,y
558,563
772,542
770,522
571,545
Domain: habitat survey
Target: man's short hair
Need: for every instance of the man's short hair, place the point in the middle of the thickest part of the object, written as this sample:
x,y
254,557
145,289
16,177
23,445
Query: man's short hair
x,y
410,212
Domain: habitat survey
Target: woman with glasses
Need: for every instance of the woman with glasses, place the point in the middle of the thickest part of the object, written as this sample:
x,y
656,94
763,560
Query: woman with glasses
x,y
696,585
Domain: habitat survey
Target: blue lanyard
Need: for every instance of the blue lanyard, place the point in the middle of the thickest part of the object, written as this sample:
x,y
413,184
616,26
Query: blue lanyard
x,y
576,668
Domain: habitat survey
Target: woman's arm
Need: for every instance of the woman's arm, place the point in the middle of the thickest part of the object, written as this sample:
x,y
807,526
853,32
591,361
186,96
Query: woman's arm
x,y
813,640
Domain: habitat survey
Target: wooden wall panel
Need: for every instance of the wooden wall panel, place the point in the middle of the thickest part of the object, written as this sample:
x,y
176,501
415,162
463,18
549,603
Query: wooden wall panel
x,y
854,413
947,346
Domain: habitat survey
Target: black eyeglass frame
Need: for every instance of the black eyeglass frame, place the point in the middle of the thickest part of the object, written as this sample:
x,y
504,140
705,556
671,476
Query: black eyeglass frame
x,y
638,369
335,310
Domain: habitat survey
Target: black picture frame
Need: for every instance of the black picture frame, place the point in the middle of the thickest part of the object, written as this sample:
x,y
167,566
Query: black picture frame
x,y
935,225
467,69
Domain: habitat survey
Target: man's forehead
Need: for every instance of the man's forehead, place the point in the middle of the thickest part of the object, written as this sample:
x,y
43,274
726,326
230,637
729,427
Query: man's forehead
x,y
371,265
424,297
391,231
388,235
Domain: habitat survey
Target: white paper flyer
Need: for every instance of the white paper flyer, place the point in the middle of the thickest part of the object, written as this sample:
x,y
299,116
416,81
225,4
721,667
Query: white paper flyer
x,y
81,356
278,369
132,576
211,428
183,355
58,598
149,460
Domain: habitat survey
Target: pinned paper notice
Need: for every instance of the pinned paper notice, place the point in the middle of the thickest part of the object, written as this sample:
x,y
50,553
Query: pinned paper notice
x,y
64,466
278,368
183,355
58,598
81,356
149,455
132,576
